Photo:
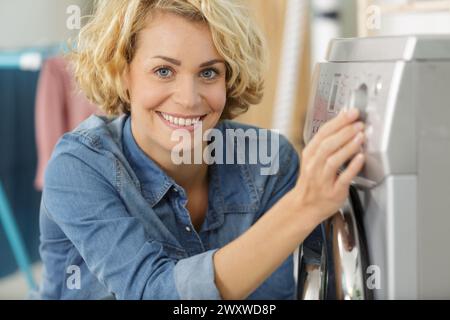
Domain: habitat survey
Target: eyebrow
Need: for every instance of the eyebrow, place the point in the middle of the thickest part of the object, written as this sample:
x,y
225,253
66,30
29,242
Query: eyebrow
x,y
178,62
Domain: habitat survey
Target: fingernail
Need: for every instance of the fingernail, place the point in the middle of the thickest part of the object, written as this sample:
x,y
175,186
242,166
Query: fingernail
x,y
358,138
359,126
352,113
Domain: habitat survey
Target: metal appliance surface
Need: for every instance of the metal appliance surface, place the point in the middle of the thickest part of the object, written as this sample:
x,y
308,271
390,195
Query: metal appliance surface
x,y
390,240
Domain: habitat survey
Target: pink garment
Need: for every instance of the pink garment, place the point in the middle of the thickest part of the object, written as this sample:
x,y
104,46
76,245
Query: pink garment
x,y
60,107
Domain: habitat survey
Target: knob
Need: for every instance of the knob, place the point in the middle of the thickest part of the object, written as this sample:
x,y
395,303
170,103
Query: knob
x,y
359,100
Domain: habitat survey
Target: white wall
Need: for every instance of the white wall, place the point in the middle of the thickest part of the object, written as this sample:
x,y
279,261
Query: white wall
x,y
402,17
25,23
415,23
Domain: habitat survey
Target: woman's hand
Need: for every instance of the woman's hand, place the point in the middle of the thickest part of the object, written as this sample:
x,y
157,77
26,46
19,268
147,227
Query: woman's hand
x,y
319,188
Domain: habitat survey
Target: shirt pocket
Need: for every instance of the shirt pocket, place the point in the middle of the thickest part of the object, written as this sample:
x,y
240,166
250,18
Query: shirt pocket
x,y
172,251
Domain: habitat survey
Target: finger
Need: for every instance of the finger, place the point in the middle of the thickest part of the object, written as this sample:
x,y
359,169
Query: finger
x,y
340,157
345,178
337,141
344,118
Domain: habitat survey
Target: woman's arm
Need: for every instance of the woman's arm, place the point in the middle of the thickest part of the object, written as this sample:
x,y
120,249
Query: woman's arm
x,y
242,265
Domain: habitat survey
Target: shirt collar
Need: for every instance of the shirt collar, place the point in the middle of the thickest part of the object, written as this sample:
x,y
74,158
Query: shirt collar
x,y
231,187
154,181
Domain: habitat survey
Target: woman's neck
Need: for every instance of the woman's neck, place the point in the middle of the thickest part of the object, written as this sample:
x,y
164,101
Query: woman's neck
x,y
189,176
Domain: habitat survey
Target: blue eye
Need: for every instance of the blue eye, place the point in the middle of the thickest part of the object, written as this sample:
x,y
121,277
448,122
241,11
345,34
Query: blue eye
x,y
209,74
164,72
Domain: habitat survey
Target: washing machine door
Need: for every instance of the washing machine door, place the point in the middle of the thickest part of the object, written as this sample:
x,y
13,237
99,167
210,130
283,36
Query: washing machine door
x,y
339,270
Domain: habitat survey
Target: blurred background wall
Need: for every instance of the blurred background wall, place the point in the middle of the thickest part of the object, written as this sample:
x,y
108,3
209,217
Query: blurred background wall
x,y
25,23
402,17
270,16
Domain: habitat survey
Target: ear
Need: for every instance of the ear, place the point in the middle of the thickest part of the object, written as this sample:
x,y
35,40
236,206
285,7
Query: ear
x,y
125,77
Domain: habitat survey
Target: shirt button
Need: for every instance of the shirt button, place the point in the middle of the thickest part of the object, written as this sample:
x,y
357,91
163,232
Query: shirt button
x,y
188,229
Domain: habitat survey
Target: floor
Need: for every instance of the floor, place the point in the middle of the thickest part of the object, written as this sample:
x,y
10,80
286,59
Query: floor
x,y
14,287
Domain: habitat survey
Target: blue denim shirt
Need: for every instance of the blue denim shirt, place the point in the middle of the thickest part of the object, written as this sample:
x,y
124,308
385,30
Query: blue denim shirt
x,y
114,224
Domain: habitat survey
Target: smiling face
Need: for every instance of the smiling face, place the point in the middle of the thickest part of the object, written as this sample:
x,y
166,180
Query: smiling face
x,y
175,80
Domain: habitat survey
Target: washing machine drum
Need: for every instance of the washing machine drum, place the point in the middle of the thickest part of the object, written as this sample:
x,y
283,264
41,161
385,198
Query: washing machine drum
x,y
333,260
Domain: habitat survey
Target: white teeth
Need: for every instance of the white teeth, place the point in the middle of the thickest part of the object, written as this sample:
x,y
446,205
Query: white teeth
x,y
180,121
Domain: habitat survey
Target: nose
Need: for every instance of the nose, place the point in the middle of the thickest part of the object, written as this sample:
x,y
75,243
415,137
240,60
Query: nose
x,y
187,94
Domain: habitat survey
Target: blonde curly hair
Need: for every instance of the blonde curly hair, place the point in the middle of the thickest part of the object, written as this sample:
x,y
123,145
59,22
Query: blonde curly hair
x,y
107,44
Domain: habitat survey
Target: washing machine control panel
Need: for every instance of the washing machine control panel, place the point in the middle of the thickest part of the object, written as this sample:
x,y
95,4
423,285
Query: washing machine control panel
x,y
338,91
365,86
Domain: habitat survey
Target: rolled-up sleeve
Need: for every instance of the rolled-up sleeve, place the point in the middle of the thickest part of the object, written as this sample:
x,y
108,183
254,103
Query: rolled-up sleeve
x,y
195,279
116,247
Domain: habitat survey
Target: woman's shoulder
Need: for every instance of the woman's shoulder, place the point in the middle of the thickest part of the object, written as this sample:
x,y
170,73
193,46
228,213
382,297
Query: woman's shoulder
x,y
95,132
97,135
95,144
267,142
268,169
265,155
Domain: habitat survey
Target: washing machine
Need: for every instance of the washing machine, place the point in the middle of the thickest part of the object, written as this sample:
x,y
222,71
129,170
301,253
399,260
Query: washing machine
x,y
391,239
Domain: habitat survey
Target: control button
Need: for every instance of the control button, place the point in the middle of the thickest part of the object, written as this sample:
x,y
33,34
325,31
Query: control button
x,y
378,86
188,229
359,100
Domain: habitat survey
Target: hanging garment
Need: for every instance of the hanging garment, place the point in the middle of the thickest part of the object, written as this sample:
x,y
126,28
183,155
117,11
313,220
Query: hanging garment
x,y
60,107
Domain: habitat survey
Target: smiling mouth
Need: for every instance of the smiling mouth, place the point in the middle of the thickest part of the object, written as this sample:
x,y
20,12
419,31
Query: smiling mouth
x,y
181,121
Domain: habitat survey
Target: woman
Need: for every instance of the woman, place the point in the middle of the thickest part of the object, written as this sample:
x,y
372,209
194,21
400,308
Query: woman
x,y
119,218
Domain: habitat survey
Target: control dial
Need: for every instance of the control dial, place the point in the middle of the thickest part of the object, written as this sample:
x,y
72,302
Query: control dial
x,y
359,100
